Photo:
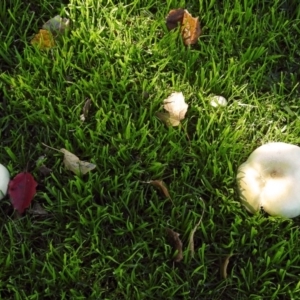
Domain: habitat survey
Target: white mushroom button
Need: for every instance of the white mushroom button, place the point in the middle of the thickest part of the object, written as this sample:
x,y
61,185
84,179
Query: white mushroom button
x,y
4,180
270,179
218,101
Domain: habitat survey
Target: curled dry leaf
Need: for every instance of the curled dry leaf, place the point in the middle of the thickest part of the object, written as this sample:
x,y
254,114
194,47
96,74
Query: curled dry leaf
x,y
175,242
174,18
57,25
176,108
21,191
73,163
44,170
161,185
190,29
54,27
85,110
37,209
224,265
189,26
43,40
41,167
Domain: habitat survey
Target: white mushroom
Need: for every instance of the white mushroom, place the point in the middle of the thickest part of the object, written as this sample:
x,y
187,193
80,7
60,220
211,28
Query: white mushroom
x,y
218,101
4,180
270,179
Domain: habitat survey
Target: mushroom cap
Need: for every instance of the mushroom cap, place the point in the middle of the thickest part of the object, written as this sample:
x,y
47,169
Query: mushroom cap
x,y
4,180
270,178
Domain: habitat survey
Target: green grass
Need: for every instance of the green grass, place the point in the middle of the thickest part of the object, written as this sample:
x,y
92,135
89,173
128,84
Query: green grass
x,y
104,237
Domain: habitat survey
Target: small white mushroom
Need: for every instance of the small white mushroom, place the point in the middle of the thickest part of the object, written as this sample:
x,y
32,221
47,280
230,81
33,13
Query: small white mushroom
x,y
270,179
4,180
218,101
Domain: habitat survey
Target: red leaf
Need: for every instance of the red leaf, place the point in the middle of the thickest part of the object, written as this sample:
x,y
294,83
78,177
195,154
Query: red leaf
x,y
21,191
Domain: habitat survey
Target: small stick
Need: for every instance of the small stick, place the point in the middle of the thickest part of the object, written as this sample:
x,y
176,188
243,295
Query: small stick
x,y
51,148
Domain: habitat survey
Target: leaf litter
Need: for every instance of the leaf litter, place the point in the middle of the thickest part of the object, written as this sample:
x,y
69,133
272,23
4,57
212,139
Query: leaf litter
x,y
45,38
37,209
176,243
85,110
189,26
73,163
57,25
45,171
159,184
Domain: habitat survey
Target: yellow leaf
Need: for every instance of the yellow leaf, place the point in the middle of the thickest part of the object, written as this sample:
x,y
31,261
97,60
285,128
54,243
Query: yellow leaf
x,y
43,40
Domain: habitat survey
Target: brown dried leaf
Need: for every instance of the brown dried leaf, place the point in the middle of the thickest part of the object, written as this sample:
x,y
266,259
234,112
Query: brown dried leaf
x,y
189,26
85,110
174,18
175,242
161,185
190,29
43,40
44,170
74,164
41,166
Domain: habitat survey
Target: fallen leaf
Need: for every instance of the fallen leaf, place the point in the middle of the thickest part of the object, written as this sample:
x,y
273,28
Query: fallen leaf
x,y
176,108
167,119
21,191
161,185
174,18
73,163
43,40
41,166
189,26
37,209
175,242
191,238
190,29
85,110
44,170
57,25
224,265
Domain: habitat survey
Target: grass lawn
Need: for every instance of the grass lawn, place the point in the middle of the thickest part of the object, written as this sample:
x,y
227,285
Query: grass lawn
x,y
104,236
